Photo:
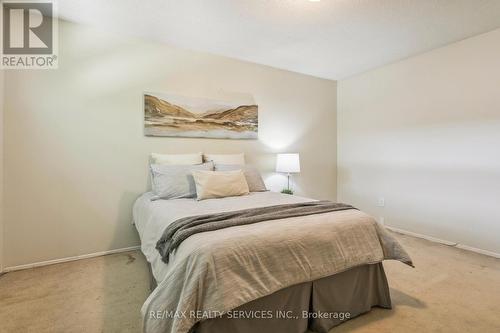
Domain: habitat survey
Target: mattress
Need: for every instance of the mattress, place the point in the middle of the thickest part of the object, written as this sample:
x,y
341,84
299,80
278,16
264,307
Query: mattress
x,y
152,217
216,271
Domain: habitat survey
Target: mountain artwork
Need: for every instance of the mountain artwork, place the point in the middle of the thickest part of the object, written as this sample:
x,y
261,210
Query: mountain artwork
x,y
179,116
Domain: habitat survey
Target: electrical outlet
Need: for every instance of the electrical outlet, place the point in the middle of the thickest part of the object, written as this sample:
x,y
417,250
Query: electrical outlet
x,y
381,202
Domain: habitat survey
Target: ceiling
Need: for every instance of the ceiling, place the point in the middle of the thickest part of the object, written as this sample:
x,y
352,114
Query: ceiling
x,y
332,39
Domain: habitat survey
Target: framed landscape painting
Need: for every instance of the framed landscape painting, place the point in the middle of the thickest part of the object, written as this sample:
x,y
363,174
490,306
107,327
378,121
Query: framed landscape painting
x,y
180,116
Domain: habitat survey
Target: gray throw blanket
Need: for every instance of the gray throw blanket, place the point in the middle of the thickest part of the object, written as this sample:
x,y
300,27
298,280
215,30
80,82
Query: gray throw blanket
x,y
182,228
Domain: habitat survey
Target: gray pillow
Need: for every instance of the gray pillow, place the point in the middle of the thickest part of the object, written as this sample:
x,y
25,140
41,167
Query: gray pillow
x,y
252,175
175,181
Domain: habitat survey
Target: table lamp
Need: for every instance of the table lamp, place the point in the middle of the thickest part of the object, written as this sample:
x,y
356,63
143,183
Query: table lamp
x,y
288,163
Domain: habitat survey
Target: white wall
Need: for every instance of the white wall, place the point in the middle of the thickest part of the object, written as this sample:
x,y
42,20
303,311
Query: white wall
x,y
424,134
75,153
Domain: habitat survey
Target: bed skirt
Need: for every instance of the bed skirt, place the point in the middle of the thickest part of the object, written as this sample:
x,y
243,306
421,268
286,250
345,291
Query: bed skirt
x,y
315,306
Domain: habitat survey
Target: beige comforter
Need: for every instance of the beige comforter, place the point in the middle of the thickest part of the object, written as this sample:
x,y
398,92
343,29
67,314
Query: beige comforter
x,y
214,272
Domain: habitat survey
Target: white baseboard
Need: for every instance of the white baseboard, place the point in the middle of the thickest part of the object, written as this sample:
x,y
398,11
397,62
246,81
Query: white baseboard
x,y
414,234
58,261
445,242
481,251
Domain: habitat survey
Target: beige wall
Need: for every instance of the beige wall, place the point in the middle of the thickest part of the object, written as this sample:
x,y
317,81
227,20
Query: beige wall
x,y
424,134
1,169
76,157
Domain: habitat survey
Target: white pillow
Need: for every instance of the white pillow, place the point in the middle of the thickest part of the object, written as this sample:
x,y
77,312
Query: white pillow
x,y
175,181
219,184
176,159
233,159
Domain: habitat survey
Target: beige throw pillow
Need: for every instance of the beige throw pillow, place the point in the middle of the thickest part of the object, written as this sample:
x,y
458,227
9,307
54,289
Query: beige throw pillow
x,y
252,175
219,184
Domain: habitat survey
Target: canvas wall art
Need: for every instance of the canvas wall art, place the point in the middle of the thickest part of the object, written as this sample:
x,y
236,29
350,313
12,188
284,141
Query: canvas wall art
x,y
180,116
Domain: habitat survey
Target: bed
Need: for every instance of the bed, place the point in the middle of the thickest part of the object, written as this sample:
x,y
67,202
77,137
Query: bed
x,y
285,275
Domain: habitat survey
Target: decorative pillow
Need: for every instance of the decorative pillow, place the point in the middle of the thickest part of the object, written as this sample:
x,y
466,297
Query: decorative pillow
x,y
176,159
175,181
236,159
252,176
219,184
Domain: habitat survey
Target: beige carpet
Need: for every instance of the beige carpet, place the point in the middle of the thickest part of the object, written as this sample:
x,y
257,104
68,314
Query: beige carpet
x,y
451,290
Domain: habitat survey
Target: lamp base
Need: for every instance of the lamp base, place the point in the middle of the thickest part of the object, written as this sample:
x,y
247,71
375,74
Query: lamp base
x,y
286,191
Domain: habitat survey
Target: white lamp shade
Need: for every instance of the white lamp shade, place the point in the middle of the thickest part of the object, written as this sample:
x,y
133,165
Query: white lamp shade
x,y
289,163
